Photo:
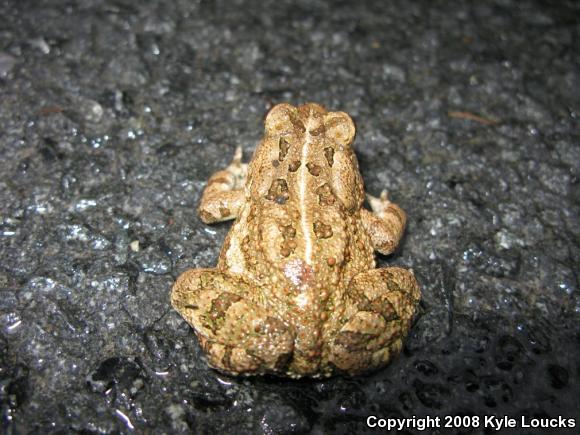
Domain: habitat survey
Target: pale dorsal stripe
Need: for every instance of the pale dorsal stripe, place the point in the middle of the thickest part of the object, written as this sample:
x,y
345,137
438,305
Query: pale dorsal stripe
x,y
303,179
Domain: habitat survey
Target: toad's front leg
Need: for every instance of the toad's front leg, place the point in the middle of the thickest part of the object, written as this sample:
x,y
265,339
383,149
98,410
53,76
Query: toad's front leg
x,y
385,224
224,194
238,336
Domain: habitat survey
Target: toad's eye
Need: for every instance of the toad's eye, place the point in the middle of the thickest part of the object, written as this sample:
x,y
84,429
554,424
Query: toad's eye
x,y
339,128
278,119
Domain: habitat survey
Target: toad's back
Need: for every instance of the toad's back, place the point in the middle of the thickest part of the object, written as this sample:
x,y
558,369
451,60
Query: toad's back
x,y
300,230
299,238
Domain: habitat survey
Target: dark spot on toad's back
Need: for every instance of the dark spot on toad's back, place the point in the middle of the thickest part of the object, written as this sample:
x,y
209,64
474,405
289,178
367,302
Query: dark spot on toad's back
x,y
293,166
329,155
278,191
284,146
314,169
322,230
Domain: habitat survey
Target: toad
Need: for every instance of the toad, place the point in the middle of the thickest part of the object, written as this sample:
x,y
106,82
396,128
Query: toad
x,y
296,291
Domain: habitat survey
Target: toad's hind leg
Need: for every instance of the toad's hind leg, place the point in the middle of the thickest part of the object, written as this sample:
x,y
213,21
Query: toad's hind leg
x,y
380,306
237,335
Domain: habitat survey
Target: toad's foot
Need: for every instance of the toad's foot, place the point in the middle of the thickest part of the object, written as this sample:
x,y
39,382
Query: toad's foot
x,y
237,335
377,319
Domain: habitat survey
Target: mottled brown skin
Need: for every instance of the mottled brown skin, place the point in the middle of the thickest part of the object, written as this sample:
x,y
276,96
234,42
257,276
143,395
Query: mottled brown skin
x,y
296,292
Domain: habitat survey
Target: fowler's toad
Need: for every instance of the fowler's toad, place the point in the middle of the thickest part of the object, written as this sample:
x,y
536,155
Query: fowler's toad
x,y
296,292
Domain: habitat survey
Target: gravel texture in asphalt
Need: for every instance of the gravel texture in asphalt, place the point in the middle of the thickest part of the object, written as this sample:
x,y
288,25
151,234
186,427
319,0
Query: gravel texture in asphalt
x,y
114,113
